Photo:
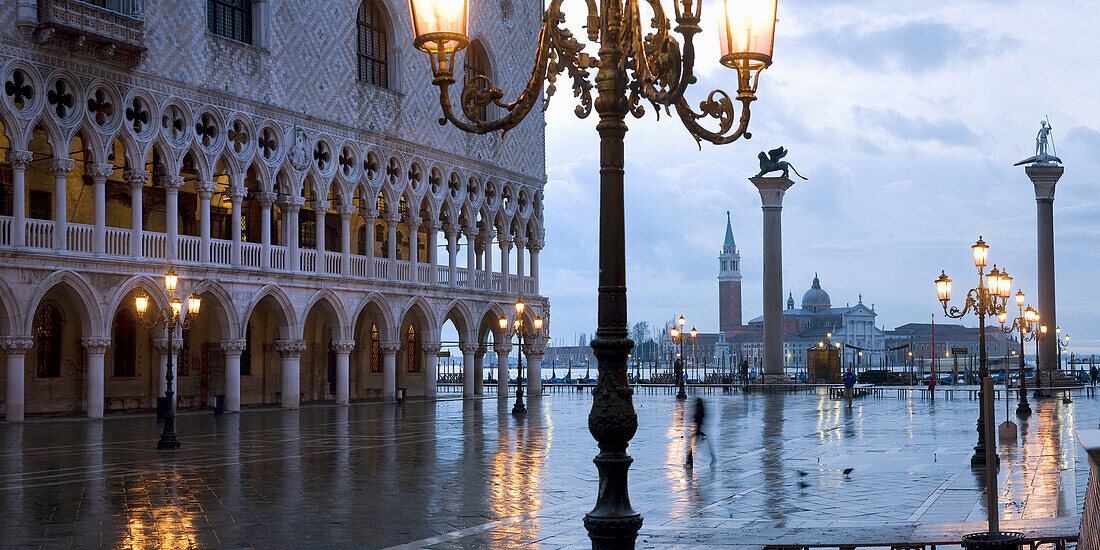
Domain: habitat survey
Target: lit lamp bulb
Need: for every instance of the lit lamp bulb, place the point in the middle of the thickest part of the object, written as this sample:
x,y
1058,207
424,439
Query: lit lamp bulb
x,y
674,333
746,33
943,287
141,303
1006,284
1020,299
538,323
1002,317
1043,329
193,304
170,280
503,323
681,320
519,307
177,307
694,332
981,253
993,281
439,28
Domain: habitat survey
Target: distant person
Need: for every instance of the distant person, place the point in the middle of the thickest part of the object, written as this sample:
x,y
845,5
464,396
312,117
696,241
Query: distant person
x,y
932,385
1095,373
745,371
678,369
699,417
849,380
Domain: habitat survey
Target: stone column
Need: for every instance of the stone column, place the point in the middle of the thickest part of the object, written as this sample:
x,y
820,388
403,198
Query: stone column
x,y
16,348
236,197
136,179
343,371
266,200
534,352
345,211
414,237
433,249
94,349
1044,177
389,368
161,347
172,186
60,168
19,161
99,172
521,243
452,252
320,209
471,255
771,196
469,369
233,350
479,367
370,215
392,219
431,367
502,349
291,350
205,189
535,247
290,209
489,235
505,269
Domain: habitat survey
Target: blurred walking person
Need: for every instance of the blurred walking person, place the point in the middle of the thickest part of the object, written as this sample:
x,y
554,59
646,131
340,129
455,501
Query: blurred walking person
x,y
699,418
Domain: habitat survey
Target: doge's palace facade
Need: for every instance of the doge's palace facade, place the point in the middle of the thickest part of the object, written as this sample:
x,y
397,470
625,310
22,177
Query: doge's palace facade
x,y
284,159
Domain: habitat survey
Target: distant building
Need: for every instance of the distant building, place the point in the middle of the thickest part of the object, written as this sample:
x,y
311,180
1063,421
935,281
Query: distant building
x,y
949,339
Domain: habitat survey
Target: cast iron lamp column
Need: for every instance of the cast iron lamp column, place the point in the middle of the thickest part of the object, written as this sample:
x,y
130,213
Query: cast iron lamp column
x,y
680,371
633,65
988,299
520,330
1024,324
171,317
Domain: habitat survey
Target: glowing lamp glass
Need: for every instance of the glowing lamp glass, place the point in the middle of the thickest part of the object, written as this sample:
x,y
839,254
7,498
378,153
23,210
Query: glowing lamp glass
x,y
193,305
746,32
1002,317
141,303
681,320
981,252
439,26
1020,299
170,281
503,323
694,332
943,287
993,281
1006,285
177,307
538,323
1043,329
519,307
675,333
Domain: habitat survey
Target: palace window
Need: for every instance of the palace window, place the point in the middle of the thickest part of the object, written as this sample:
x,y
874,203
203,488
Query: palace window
x,y
125,344
371,44
47,340
412,350
230,18
477,64
375,350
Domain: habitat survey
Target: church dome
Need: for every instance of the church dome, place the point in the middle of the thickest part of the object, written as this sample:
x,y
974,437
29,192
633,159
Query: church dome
x,y
816,299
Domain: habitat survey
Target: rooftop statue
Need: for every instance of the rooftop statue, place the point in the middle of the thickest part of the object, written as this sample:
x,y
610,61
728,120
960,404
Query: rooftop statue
x,y
769,162
1043,142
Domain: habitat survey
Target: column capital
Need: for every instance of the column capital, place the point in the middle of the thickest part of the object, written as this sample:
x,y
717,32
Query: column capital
x,y
135,177
19,160
434,226
451,230
389,348
170,183
431,347
368,213
98,171
535,245
16,345
391,217
771,190
161,345
321,206
236,193
345,210
502,347
413,221
96,346
535,349
469,349
505,243
521,242
266,199
293,204
1044,177
205,188
234,347
290,348
343,347
60,166
470,232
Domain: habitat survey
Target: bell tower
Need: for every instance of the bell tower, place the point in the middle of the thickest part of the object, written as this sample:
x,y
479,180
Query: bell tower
x,y
729,283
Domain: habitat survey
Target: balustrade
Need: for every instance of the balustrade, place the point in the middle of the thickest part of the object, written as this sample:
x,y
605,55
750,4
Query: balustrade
x,y
189,249
498,280
479,280
404,271
424,273
360,266
251,254
278,257
221,251
442,275
118,241
153,244
5,230
528,285
381,268
332,262
39,233
307,260
78,237
463,276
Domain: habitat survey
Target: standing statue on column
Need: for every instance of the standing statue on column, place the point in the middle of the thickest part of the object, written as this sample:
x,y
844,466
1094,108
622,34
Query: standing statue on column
x,y
1043,142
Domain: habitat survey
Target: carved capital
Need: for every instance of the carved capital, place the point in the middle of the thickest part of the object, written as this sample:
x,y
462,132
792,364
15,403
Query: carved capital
x,y
19,160
504,347
451,231
470,349
345,210
170,183
205,188
236,193
505,243
535,245
321,206
535,349
16,345
343,347
470,232
771,190
96,346
98,171
234,347
60,167
413,222
293,204
290,348
136,178
434,226
520,242
368,213
431,347
161,345
266,199
391,217
389,348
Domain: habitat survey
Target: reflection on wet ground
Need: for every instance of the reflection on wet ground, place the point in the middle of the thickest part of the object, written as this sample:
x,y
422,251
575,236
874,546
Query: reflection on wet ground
x,y
469,474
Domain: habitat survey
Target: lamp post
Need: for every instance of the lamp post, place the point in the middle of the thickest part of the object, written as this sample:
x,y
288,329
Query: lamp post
x,y
1025,325
678,335
1062,345
171,316
988,299
631,66
519,329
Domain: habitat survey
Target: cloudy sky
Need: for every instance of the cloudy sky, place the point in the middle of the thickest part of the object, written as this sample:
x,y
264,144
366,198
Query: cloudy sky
x,y
906,117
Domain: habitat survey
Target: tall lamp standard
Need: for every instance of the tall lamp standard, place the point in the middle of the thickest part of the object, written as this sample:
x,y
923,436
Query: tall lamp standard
x,y
988,299
678,335
1062,345
632,65
171,316
1025,325
521,330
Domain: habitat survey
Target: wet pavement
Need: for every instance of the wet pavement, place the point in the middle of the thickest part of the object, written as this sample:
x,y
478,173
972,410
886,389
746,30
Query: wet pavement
x,y
467,474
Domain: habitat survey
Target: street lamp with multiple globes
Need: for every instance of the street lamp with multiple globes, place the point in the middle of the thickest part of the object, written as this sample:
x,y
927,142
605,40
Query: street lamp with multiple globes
x,y
171,316
1026,325
631,66
987,300
520,329
678,335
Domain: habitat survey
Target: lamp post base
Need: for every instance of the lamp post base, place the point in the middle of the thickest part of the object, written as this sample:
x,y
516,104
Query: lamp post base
x,y
681,394
168,442
518,408
1023,410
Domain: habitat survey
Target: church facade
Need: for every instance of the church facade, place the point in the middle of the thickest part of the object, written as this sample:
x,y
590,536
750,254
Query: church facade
x,y
284,160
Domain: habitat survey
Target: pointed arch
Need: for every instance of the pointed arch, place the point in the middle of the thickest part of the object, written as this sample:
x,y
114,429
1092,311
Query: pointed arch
x,y
459,313
288,320
336,307
151,286
225,309
418,307
10,313
79,291
375,304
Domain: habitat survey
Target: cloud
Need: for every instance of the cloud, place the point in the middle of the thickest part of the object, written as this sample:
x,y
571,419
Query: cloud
x,y
947,131
913,47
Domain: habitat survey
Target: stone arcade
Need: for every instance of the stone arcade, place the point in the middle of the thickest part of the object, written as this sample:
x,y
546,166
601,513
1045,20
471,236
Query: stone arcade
x,y
288,166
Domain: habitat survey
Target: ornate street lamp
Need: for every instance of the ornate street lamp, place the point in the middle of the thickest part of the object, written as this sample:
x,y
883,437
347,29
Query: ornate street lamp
x,y
987,300
678,335
631,66
520,329
171,316
1025,325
